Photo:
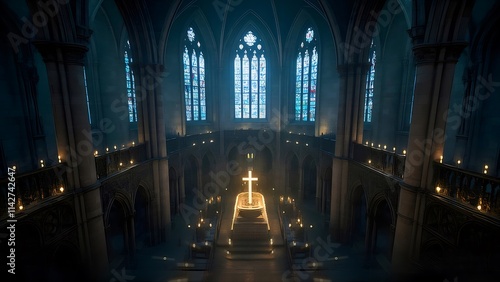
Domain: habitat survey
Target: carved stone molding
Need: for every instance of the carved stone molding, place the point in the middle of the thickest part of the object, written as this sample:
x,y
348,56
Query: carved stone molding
x,y
448,52
68,53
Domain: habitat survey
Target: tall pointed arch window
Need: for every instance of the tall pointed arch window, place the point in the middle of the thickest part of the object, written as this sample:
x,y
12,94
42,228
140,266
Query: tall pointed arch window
x,y
194,78
306,77
129,76
250,78
370,78
87,93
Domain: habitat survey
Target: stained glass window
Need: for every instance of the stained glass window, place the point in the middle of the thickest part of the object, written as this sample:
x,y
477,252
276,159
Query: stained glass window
x,y
129,76
86,93
370,77
306,77
250,78
194,78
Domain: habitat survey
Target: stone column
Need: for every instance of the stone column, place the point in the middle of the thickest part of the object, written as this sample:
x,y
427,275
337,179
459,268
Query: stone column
x,y
349,130
151,129
64,63
435,66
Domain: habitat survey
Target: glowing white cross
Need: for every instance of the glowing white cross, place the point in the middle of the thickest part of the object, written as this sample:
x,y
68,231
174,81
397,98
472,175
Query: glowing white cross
x,y
250,179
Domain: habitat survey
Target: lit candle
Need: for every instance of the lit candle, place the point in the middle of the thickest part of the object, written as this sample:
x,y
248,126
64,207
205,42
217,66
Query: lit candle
x,y
114,147
41,163
59,159
385,147
96,153
366,143
459,162
369,161
438,189
107,149
404,152
394,149
133,143
61,189
441,159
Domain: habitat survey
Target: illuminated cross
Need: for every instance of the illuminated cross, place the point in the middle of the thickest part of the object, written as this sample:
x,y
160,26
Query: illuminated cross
x,y
250,179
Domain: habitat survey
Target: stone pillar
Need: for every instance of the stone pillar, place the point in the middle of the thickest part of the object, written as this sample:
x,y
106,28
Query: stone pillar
x,y
349,130
131,232
182,188
319,189
64,63
151,129
435,66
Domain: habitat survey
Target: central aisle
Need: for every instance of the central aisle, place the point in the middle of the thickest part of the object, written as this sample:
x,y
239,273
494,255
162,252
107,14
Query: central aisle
x,y
224,269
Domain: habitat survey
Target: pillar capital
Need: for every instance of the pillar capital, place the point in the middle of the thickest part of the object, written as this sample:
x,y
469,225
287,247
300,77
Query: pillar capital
x,y
448,52
68,53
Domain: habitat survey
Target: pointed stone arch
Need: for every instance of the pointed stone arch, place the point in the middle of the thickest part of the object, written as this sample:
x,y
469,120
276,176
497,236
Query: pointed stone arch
x,y
143,225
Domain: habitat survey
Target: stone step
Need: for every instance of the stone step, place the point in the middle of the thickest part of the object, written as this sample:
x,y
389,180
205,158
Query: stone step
x,y
255,234
250,249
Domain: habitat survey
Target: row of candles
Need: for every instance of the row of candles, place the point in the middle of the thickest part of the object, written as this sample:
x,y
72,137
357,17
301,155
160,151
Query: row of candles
x,y
479,206
96,153
385,147
459,162
203,142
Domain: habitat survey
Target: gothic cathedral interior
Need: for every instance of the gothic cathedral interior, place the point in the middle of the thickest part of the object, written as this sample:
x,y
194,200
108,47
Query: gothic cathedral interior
x,y
238,140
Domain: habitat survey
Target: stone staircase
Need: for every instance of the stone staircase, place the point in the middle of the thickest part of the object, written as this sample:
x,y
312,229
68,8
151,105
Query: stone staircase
x,y
250,239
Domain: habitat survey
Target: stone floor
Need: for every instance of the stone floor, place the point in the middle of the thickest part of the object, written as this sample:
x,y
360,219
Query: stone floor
x,y
335,262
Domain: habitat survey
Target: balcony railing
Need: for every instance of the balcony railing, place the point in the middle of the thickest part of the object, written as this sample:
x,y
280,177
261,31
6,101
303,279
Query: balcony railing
x,y
380,159
33,187
120,159
481,191
178,144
